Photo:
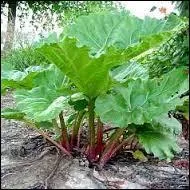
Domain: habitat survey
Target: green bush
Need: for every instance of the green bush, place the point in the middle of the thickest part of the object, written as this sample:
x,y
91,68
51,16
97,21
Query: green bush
x,y
173,53
20,59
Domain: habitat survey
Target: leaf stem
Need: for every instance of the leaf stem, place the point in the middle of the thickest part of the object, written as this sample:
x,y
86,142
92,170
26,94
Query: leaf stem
x,y
111,146
76,127
99,146
124,142
49,139
65,139
78,138
91,133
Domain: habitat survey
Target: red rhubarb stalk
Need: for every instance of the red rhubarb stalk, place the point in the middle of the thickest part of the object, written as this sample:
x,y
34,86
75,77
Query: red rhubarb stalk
x,y
110,147
48,138
91,133
76,127
65,139
100,145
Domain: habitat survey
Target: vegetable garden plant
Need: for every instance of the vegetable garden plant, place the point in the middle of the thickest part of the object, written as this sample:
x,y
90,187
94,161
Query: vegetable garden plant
x,y
93,79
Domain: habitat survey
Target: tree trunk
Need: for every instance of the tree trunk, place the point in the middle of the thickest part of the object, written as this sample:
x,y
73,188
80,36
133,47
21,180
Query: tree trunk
x,y
10,25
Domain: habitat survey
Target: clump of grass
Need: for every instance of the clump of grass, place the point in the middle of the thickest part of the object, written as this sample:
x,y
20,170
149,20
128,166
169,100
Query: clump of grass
x,y
17,50
20,59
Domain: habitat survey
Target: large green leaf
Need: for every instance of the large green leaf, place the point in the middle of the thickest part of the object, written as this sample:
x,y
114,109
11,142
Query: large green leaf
x,y
10,113
140,101
15,79
162,145
40,103
184,87
130,70
54,79
90,75
45,101
101,30
169,123
172,80
35,76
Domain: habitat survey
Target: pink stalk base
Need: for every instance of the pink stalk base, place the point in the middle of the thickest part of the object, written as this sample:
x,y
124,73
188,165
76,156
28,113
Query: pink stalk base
x,y
100,144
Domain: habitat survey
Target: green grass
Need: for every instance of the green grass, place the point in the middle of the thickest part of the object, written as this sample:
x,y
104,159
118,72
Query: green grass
x,y
20,59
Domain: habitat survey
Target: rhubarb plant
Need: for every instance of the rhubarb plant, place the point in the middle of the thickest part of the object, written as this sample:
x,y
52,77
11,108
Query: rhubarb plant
x,y
94,79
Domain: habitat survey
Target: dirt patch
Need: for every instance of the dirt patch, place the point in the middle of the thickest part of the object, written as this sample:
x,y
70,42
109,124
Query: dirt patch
x,y
28,161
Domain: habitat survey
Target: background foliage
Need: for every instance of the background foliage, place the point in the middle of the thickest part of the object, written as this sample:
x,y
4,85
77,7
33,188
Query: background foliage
x,y
172,54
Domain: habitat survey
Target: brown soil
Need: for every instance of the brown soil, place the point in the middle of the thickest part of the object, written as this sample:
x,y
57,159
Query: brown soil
x,y
30,162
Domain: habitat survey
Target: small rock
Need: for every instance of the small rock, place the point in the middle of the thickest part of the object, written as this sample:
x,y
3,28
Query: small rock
x,y
182,163
126,170
14,152
130,185
167,169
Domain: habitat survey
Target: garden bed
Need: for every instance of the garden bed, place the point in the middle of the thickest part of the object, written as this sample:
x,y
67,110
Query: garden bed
x,y
30,162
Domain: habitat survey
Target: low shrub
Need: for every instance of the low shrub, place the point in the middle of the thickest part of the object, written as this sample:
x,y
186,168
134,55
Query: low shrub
x,y
20,59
